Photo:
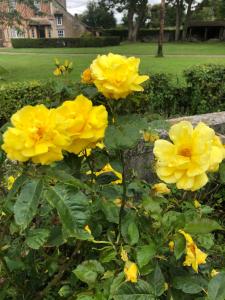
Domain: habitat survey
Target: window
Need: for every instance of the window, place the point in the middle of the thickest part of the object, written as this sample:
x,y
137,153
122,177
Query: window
x,y
59,20
12,4
61,33
33,33
49,33
37,4
16,34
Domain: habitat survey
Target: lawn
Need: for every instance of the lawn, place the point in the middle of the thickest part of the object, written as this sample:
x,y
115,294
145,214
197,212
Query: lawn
x,y
29,64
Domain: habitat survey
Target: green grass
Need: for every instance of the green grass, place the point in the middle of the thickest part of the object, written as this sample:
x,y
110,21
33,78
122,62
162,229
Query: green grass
x,y
29,64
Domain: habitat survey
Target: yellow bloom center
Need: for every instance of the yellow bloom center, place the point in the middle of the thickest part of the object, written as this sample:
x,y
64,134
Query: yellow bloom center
x,y
185,152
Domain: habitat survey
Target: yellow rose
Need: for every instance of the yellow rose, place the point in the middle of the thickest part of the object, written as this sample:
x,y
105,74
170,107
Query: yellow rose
x,y
160,189
150,137
116,76
171,246
197,204
57,72
86,76
214,273
34,136
131,271
192,153
10,182
108,169
194,256
84,123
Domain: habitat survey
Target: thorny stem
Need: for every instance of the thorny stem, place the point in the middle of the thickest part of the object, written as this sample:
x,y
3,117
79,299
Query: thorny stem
x,y
124,195
59,275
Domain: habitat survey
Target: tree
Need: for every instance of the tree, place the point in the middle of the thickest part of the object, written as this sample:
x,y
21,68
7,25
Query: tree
x,y
189,4
161,31
136,13
99,14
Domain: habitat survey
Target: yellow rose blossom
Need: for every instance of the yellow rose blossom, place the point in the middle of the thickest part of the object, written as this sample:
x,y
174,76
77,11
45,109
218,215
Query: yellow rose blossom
x,y
150,137
116,76
194,256
214,273
34,136
131,271
87,229
84,123
124,255
192,153
108,169
171,246
197,204
10,182
57,72
160,189
86,76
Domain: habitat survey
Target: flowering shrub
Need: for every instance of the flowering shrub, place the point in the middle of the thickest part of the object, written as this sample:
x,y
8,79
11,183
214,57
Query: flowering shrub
x,y
74,225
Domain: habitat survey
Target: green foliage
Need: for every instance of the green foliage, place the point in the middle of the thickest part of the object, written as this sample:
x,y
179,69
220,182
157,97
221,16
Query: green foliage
x,y
66,42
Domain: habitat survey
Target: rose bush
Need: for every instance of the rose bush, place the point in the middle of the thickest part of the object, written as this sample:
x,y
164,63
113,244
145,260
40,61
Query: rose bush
x,y
75,225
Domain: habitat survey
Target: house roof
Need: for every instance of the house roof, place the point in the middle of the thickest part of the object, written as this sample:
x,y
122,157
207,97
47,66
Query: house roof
x,y
39,21
218,23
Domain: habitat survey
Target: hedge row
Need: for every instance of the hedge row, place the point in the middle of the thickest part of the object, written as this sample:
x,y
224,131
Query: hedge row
x,y
122,33
204,92
67,42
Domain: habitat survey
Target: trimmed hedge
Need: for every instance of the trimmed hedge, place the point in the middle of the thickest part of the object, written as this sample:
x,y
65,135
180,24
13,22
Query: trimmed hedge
x,y
16,95
122,33
67,42
203,93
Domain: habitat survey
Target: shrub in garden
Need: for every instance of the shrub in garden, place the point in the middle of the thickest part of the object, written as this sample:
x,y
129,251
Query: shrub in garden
x,y
73,225
81,42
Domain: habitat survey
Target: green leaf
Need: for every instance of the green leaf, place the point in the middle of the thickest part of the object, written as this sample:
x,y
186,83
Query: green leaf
x,y
158,281
222,172
106,178
118,280
216,288
111,211
14,265
145,254
202,226
16,186
130,291
188,284
72,206
133,233
27,202
88,271
36,238
125,133
107,255
179,246
65,291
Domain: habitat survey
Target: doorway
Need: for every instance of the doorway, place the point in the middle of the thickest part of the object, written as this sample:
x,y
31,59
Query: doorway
x,y
41,32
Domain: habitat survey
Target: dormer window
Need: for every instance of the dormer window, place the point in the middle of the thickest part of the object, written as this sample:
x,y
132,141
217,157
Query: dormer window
x,y
59,20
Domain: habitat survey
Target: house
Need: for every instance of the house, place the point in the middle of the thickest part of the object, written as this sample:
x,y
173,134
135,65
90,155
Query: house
x,y
48,19
206,30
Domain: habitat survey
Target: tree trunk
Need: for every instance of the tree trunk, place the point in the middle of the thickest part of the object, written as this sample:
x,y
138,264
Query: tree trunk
x,y
130,23
178,8
188,16
161,31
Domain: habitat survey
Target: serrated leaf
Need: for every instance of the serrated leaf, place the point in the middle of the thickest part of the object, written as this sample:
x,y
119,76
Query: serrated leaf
x,y
130,291
72,206
133,233
27,202
88,271
189,284
36,238
145,254
216,288
158,281
202,226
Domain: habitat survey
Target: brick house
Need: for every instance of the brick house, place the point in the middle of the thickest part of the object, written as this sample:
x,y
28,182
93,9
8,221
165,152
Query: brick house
x,y
49,20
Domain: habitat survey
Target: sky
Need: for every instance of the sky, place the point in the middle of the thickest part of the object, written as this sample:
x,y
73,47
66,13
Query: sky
x,y
79,6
